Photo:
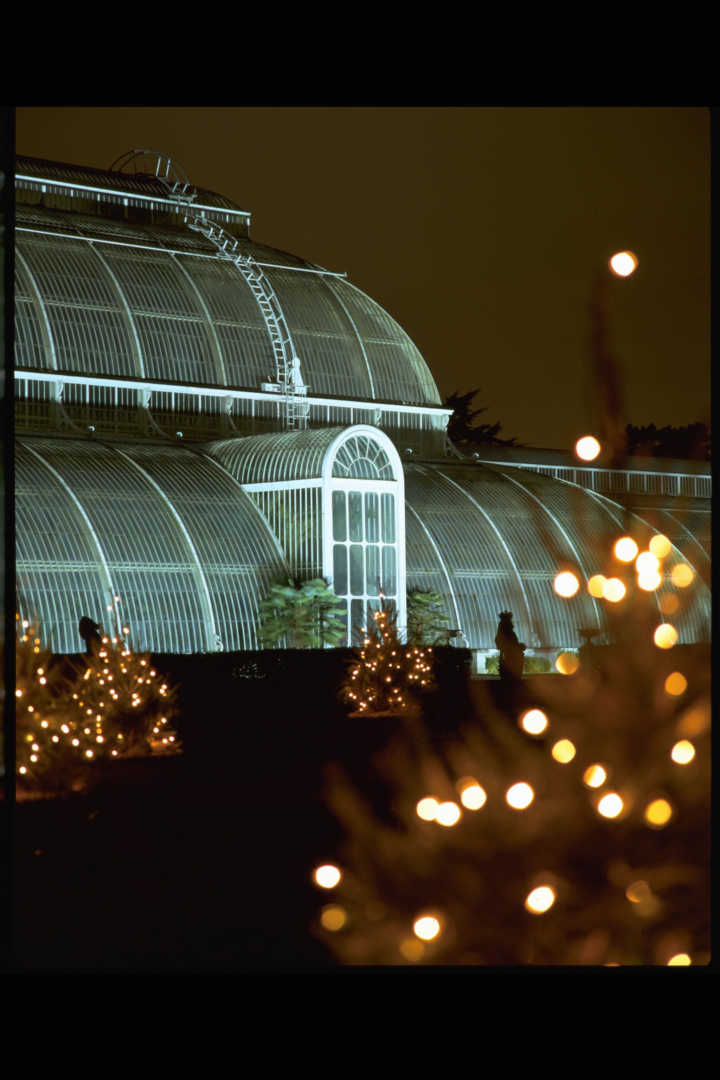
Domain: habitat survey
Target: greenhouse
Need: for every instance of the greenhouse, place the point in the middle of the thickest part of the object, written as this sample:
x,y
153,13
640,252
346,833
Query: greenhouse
x,y
199,417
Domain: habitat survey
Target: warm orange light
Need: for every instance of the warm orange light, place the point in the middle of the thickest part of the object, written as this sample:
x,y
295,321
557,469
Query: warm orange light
x,y
426,927
540,899
669,603
675,684
596,585
649,581
594,776
519,796
614,590
658,813
448,813
534,721
665,636
660,546
327,876
682,575
587,448
473,797
623,263
427,808
333,917
625,549
647,563
610,805
566,584
567,663
680,959
682,752
563,751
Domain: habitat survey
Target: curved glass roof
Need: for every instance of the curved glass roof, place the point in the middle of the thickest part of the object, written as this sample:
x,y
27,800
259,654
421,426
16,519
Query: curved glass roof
x,y
493,539
104,297
168,531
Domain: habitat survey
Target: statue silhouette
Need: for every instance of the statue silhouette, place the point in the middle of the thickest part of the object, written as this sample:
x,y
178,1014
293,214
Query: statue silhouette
x,y
90,633
511,650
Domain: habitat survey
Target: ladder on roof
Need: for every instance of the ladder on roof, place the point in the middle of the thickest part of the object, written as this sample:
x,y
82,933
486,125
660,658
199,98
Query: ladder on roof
x,y
289,383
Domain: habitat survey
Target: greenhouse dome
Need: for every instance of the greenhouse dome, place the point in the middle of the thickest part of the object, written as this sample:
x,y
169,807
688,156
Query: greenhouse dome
x,y
199,417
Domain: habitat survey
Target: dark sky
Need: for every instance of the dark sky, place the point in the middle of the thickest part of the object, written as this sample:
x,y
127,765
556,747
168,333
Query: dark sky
x,y
479,229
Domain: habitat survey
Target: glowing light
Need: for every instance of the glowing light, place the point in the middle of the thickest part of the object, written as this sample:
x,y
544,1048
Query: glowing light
x,y
680,959
563,751
658,813
623,263
333,917
519,796
427,808
610,805
639,892
660,546
540,899
594,776
625,549
695,721
426,927
534,721
675,684
566,584
682,752
412,949
647,563
665,636
567,663
448,813
473,797
614,590
682,575
669,604
327,876
587,448
596,584
649,581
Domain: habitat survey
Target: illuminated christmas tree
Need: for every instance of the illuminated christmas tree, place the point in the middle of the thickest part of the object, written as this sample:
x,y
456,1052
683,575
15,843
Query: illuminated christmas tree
x,y
574,830
386,675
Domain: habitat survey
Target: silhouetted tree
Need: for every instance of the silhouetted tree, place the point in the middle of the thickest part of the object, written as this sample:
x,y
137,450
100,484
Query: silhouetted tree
x,y
463,432
691,442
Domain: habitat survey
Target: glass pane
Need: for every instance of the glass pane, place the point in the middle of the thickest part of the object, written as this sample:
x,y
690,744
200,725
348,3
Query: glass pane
x,y
357,586
356,528
340,574
343,614
388,518
371,516
388,571
357,621
372,570
339,516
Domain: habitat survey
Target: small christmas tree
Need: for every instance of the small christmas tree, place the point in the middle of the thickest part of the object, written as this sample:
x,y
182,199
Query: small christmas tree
x,y
386,675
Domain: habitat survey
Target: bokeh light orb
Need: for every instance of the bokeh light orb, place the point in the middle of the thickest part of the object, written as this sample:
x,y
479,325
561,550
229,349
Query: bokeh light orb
x,y
682,752
519,796
675,684
473,797
682,575
540,899
649,581
647,563
614,590
681,959
623,263
669,604
333,917
567,663
665,636
327,876
611,805
426,927
566,584
448,813
563,751
660,546
534,721
596,585
625,549
427,808
594,776
658,813
587,448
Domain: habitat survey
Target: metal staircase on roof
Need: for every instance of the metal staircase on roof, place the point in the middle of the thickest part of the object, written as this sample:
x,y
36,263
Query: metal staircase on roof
x,y
289,383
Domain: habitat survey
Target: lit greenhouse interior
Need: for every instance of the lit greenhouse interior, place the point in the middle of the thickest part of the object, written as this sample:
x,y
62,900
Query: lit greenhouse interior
x,y
199,417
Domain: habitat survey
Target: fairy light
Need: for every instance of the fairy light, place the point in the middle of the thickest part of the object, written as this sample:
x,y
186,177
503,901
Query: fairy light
x,y
660,546
473,796
448,814
623,263
665,636
566,584
679,960
327,876
594,776
682,752
534,721
676,683
519,796
567,663
427,808
540,899
649,580
563,751
625,549
658,813
587,448
610,805
596,585
333,917
426,927
614,590
682,575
